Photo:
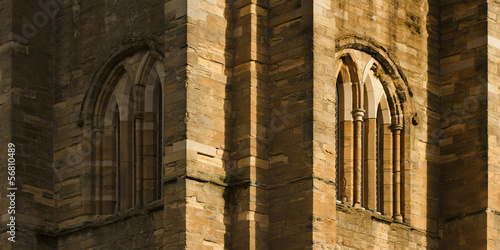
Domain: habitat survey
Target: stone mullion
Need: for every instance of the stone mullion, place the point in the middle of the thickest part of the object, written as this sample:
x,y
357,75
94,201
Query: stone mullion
x,y
397,172
358,152
358,114
347,161
137,144
138,119
126,193
98,133
387,172
370,164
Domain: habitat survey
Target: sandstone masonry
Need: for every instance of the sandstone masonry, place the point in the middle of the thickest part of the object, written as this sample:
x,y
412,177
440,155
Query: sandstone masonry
x,y
251,124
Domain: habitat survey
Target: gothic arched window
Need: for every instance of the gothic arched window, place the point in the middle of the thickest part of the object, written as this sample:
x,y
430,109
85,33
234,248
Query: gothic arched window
x,y
368,142
128,136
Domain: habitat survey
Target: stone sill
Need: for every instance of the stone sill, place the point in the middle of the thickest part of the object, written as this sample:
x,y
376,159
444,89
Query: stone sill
x,y
376,216
103,220
381,219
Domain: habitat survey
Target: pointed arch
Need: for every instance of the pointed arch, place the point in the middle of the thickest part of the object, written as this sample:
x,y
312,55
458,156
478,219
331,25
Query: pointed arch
x,y
125,97
347,85
118,85
152,166
109,68
377,118
397,89
153,84
375,92
385,112
112,113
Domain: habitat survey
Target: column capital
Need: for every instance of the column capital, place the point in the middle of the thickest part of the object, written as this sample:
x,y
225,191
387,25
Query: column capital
x,y
138,115
98,129
397,127
358,114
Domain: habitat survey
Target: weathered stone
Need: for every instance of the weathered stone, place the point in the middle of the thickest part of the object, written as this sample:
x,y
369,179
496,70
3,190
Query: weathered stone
x,y
211,124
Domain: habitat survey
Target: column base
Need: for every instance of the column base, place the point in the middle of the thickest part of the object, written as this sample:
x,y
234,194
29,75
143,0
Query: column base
x,y
398,218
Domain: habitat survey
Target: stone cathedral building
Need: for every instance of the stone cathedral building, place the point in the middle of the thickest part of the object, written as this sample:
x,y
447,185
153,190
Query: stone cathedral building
x,y
249,124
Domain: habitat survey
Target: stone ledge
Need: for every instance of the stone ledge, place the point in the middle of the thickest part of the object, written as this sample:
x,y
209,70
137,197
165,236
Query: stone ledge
x,y
460,216
374,216
104,220
222,183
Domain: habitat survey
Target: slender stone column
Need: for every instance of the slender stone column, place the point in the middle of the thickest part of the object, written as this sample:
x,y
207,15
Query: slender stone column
x,y
139,118
98,165
138,144
397,171
358,153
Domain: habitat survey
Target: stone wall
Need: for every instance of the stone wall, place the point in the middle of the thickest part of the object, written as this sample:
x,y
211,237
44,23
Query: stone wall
x,y
290,88
400,28
6,49
29,119
206,116
133,229
493,91
248,165
249,121
357,229
91,38
463,143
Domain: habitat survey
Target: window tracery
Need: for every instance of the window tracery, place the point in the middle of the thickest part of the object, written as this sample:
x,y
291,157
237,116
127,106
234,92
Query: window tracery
x,y
127,130
368,139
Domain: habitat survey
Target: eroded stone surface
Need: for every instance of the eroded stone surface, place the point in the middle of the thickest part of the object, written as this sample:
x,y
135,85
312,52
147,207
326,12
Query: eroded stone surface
x,y
249,123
